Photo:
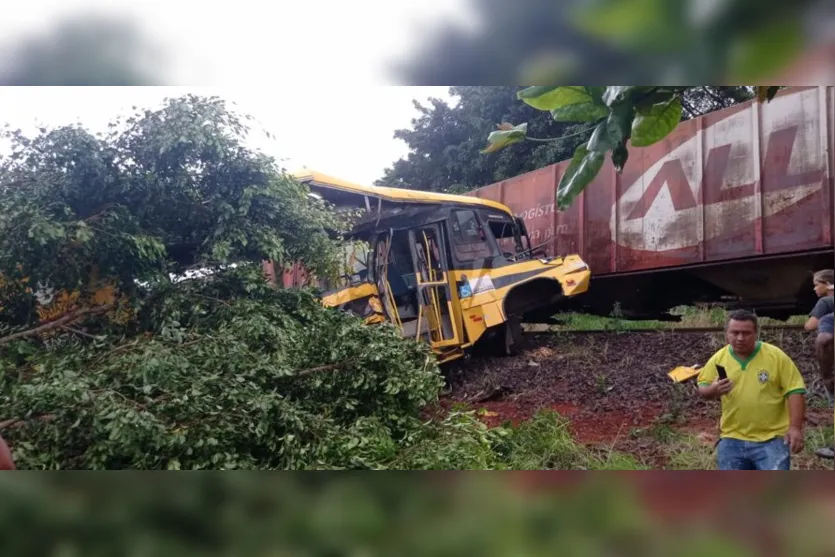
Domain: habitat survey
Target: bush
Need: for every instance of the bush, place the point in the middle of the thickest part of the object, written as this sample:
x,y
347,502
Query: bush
x,y
266,380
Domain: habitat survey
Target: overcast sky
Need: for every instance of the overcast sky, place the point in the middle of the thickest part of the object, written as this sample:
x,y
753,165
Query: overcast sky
x,y
313,72
351,139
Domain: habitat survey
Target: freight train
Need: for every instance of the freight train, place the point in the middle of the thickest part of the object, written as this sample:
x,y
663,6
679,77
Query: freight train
x,y
734,207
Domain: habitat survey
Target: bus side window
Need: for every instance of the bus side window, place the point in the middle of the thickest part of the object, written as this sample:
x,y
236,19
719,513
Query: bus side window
x,y
469,240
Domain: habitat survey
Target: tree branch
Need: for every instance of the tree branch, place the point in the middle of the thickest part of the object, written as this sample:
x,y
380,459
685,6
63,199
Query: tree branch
x,y
329,367
552,139
20,422
212,299
58,323
99,212
79,333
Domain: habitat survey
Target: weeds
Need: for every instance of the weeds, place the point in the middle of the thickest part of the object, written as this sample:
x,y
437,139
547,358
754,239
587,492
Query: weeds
x,y
686,451
545,443
690,317
601,383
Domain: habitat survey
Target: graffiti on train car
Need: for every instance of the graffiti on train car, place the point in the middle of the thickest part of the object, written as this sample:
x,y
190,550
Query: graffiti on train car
x,y
745,180
715,183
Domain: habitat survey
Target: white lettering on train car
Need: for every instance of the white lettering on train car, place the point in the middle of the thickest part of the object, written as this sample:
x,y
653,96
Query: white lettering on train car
x,y
665,209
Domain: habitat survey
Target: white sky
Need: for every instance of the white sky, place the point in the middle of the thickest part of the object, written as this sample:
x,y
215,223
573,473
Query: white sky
x,y
311,72
352,140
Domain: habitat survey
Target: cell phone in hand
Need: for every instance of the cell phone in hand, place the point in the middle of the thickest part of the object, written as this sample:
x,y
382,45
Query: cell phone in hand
x,y
722,373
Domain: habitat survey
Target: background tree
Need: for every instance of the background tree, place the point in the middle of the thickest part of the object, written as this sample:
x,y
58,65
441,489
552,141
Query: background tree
x,y
444,142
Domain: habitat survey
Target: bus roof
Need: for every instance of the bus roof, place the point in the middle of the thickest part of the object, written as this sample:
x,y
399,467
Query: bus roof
x,y
397,195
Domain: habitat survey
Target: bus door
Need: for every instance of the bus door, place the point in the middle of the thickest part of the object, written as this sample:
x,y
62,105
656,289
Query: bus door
x,y
438,316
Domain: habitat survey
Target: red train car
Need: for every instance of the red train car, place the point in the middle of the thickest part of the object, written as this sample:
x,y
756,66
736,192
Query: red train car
x,y
732,207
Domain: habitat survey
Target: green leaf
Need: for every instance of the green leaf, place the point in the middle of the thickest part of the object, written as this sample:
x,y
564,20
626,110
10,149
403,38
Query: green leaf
x,y
616,93
656,123
599,140
656,95
83,234
535,91
619,123
596,94
502,138
584,166
585,112
551,98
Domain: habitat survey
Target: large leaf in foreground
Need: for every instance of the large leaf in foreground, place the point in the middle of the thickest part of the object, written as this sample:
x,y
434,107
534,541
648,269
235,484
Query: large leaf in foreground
x,y
584,166
504,136
654,124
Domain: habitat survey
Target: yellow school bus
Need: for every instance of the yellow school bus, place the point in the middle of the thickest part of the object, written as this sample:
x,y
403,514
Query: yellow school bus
x,y
454,271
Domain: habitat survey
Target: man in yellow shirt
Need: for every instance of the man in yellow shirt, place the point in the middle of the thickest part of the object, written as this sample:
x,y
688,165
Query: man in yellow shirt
x,y
763,404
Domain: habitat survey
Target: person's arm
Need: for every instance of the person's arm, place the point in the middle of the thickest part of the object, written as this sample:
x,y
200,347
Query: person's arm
x,y
817,312
794,389
797,410
6,461
797,415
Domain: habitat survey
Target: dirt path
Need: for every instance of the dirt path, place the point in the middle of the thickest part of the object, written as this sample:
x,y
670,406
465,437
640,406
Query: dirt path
x,y
614,389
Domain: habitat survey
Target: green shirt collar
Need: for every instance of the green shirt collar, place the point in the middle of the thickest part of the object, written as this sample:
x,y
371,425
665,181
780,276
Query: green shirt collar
x,y
744,363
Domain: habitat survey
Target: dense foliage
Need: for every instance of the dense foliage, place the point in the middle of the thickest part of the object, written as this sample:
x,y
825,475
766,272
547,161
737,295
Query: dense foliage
x,y
232,374
137,330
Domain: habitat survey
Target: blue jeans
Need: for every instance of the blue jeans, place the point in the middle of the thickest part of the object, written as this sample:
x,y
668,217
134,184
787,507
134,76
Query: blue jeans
x,y
733,454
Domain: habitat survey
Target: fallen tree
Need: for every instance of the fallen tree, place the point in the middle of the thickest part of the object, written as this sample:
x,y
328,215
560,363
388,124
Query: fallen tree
x,y
137,331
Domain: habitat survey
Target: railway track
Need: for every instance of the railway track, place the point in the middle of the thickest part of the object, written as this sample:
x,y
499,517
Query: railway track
x,y
530,329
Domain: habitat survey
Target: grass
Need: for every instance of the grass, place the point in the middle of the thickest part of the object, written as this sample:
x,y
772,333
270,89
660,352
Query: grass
x,y
691,316
687,451
545,443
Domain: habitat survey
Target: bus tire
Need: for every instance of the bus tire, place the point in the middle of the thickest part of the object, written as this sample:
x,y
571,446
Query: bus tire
x,y
510,337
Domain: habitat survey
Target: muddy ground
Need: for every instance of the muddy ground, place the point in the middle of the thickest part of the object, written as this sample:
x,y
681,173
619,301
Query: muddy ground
x,y
614,389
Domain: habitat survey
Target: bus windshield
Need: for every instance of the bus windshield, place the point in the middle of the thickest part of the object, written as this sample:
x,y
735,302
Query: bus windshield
x,y
507,234
353,267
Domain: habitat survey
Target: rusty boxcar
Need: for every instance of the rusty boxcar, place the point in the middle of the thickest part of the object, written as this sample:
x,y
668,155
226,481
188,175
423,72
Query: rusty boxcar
x,y
733,207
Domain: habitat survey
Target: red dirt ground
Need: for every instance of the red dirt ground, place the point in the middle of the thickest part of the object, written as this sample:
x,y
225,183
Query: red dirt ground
x,y
611,384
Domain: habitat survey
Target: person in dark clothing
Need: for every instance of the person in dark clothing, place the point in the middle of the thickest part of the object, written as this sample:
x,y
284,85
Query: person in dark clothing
x,y
822,318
